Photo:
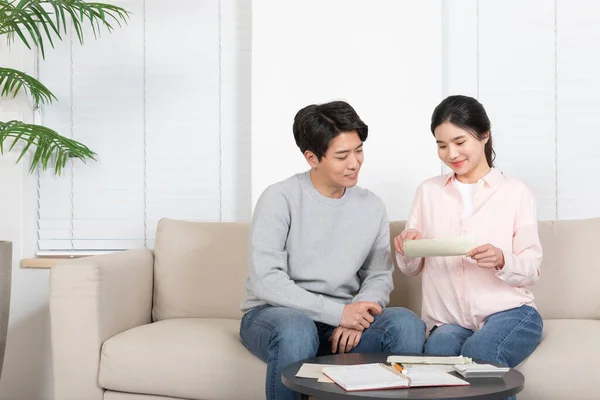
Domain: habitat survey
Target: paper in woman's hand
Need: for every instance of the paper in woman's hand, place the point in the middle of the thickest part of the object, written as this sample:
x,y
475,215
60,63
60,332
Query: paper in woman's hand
x,y
457,246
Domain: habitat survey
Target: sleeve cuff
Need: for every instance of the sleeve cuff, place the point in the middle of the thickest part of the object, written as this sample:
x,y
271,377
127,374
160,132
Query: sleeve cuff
x,y
332,313
367,297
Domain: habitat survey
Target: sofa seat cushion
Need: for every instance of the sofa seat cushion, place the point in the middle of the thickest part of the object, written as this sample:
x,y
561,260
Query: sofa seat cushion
x,y
566,364
191,358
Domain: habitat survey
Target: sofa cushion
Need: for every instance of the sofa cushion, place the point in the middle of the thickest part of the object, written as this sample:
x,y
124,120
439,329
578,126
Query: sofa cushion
x,y
196,263
191,358
407,289
568,286
566,364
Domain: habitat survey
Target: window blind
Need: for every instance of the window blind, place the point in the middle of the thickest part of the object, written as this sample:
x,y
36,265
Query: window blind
x,y
164,102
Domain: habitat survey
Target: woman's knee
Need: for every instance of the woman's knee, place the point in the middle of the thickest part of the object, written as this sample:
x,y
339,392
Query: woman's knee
x,y
447,340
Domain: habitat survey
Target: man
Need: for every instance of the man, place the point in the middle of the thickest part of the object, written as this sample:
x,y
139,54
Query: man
x,y
321,269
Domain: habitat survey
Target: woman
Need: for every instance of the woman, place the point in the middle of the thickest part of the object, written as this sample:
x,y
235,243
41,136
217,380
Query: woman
x,y
477,305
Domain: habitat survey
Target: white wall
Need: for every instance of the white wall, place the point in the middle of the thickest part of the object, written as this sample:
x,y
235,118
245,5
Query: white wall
x,y
384,58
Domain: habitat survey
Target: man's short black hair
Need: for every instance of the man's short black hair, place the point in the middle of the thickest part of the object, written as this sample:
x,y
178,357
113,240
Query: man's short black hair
x,y
317,124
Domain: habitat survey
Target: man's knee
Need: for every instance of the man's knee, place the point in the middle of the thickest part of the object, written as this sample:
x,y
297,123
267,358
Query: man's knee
x,y
295,336
403,320
407,327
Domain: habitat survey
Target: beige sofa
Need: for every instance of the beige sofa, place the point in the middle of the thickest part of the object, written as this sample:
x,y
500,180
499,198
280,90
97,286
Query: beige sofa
x,y
141,325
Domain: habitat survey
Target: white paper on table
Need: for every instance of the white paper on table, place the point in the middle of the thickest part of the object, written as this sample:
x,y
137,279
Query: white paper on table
x,y
308,370
440,360
457,246
324,379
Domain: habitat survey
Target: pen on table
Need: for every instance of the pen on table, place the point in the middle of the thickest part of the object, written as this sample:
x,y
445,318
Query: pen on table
x,y
399,367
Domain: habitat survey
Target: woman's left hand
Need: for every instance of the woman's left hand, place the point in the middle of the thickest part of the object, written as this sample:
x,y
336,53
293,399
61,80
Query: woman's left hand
x,y
487,256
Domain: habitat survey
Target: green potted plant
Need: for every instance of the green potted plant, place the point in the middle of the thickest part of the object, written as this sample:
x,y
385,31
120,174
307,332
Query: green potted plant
x,y
37,24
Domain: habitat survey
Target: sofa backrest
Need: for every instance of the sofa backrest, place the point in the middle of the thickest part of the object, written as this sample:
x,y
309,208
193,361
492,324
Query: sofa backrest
x,y
569,286
200,270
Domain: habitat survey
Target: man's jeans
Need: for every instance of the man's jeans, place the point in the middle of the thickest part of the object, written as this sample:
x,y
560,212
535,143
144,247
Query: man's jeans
x,y
506,338
281,336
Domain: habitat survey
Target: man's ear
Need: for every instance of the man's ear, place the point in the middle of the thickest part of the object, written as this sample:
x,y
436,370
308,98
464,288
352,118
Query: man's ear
x,y
311,159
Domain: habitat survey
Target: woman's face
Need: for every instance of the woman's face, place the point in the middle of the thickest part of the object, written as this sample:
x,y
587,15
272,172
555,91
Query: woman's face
x,y
460,150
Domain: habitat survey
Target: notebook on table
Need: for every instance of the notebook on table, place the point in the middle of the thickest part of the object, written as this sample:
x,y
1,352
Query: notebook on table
x,y
382,376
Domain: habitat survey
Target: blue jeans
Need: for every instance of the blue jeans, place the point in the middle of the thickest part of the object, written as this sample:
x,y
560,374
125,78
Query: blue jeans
x,y
281,336
506,338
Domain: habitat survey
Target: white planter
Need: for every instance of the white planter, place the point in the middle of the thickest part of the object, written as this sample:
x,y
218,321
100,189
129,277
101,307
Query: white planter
x,y
5,280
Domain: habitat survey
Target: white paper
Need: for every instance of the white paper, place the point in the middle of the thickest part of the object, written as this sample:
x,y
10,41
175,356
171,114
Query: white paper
x,y
425,368
429,360
308,370
324,379
457,246
436,376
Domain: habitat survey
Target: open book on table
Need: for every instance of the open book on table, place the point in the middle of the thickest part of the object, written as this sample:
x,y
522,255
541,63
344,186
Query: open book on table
x,y
382,376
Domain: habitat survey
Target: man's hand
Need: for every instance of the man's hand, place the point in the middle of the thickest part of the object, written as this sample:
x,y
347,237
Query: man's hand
x,y
344,339
359,315
487,256
409,234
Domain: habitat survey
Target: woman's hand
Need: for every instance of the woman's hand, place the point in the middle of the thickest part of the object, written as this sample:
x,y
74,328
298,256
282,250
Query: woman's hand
x,y
409,234
487,256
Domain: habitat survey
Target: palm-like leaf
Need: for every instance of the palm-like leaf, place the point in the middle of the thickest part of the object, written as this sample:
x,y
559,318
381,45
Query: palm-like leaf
x,y
12,80
35,21
49,145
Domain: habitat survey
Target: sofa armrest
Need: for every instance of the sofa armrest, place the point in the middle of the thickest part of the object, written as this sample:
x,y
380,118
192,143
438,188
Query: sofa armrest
x,y
91,300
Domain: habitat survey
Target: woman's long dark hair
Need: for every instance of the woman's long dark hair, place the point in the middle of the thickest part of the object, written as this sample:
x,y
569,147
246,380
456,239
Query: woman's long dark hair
x,y
466,113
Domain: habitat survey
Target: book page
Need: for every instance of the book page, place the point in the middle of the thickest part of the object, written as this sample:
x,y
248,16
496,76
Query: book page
x,y
433,375
365,377
458,246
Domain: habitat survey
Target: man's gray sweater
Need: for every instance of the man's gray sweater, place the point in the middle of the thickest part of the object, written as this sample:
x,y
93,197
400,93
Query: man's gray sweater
x,y
315,254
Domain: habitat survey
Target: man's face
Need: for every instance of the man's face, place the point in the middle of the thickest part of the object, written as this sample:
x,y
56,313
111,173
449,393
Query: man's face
x,y
340,166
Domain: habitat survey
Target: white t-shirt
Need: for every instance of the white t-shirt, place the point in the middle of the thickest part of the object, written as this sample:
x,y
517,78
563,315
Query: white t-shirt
x,y
467,193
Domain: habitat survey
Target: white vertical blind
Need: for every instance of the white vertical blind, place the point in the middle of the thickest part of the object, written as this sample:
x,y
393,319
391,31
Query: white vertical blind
x,y
538,77
148,99
108,116
517,87
578,85
182,114
55,200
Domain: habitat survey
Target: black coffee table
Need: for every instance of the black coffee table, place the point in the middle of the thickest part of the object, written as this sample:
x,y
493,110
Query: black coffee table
x,y
481,388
